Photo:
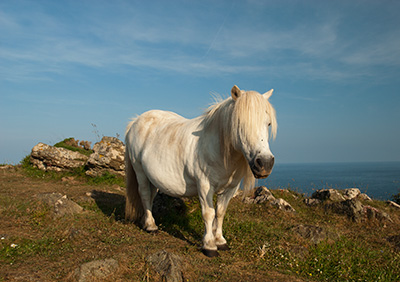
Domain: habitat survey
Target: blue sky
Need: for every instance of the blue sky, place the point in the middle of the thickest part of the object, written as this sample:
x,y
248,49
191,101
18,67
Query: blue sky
x,y
334,65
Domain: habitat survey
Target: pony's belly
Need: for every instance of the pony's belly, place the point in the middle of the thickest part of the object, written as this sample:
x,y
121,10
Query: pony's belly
x,y
173,184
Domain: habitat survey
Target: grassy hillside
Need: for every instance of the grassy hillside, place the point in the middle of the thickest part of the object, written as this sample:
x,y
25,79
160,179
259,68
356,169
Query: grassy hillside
x,y
264,243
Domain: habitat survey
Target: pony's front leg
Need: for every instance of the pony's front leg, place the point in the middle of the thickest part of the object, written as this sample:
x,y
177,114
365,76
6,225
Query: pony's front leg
x,y
207,208
223,200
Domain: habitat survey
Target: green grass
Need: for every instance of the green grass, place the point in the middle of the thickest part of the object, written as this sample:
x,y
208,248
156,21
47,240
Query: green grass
x,y
63,144
78,173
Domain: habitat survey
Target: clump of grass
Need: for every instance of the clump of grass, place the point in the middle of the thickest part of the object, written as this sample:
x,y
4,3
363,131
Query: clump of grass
x,y
72,145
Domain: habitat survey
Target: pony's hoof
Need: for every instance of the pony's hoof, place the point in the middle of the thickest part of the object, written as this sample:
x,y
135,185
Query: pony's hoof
x,y
153,232
210,253
223,247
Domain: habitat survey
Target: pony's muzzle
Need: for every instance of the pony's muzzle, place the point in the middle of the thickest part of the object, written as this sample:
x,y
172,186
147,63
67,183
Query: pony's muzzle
x,y
262,166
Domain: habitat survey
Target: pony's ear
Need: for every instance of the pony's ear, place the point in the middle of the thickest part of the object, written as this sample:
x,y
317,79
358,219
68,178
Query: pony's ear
x,y
235,92
268,94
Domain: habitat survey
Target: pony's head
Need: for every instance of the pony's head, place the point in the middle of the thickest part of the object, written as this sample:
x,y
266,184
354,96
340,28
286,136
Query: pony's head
x,y
253,123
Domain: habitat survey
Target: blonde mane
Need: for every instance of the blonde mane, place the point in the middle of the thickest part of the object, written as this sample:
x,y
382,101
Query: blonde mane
x,y
239,120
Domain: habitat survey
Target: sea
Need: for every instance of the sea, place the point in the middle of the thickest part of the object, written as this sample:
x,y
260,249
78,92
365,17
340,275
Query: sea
x,y
379,180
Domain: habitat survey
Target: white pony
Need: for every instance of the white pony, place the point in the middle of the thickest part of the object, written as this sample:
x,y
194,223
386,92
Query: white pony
x,y
207,155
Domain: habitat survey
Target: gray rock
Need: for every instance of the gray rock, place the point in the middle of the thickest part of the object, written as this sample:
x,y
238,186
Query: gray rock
x,y
312,202
60,204
364,197
46,157
314,234
351,193
108,156
373,213
353,209
168,265
95,270
393,204
259,195
327,194
282,205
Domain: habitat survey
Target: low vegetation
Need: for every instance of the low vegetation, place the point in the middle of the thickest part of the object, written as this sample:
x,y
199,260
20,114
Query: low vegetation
x,y
35,245
82,147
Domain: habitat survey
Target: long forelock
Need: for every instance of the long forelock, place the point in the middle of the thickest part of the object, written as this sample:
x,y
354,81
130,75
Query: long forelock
x,y
244,116
249,116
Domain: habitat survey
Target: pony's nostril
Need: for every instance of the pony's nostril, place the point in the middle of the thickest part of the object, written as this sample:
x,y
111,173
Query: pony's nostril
x,y
259,163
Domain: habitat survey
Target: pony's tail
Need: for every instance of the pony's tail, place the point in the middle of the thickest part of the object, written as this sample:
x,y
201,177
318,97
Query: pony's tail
x,y
133,207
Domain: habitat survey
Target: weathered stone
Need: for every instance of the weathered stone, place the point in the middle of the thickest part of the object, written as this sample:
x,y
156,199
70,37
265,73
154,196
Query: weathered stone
x,y
327,194
259,195
168,265
96,270
46,157
314,234
312,202
282,205
353,209
364,197
373,213
351,193
393,204
108,156
60,203
7,167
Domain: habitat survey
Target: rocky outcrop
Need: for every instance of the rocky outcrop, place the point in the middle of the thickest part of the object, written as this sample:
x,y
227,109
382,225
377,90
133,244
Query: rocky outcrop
x,y
108,156
327,194
52,158
347,202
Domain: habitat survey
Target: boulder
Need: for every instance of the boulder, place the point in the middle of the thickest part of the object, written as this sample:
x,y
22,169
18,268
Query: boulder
x,y
312,202
393,204
95,270
168,265
282,205
314,234
327,194
353,208
373,213
108,156
60,204
351,193
259,195
364,197
46,157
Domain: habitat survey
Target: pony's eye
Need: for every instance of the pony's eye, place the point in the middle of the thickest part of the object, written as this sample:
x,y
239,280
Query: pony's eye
x,y
269,124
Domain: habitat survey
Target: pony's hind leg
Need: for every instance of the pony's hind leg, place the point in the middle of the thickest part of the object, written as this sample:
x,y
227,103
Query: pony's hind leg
x,y
147,193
